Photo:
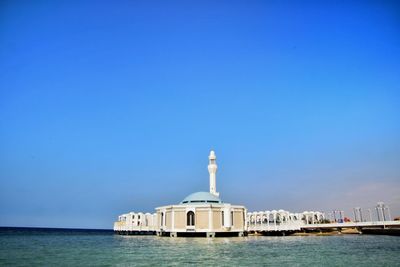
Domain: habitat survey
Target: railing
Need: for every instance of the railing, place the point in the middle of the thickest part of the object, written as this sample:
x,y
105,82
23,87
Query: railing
x,y
269,227
293,226
124,226
353,224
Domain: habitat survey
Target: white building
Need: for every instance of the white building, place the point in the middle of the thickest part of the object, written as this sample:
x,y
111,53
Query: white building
x,y
199,214
205,214
281,220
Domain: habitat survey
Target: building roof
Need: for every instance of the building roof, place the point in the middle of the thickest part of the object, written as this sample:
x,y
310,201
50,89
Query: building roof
x,y
201,197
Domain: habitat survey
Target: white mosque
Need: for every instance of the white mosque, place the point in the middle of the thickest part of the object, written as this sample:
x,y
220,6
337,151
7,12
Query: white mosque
x,y
205,214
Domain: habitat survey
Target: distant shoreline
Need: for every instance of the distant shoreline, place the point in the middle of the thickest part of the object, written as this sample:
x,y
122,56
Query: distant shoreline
x,y
388,231
52,228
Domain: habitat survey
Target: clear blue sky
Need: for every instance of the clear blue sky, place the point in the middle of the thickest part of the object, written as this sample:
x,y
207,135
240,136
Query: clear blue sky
x,y
110,107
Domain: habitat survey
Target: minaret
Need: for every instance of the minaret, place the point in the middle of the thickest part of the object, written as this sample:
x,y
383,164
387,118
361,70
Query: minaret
x,y
212,169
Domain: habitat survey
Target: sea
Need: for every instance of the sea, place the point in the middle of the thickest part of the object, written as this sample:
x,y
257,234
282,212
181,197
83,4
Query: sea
x,y
73,247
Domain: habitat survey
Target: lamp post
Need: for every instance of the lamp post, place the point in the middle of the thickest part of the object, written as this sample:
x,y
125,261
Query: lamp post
x,y
355,215
380,209
389,215
361,217
378,213
358,214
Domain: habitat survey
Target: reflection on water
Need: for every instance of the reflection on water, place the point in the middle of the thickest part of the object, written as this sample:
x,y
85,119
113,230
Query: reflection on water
x,y
108,249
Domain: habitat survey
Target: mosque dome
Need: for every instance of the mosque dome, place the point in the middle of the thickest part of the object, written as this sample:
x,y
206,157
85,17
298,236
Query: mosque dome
x,y
201,197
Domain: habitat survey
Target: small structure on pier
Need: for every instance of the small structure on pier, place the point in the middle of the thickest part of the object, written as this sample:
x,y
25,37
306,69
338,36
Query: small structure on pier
x,y
281,220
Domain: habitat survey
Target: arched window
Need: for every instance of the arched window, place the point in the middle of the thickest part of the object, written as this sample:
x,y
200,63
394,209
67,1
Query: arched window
x,y
162,218
264,219
190,218
232,218
223,219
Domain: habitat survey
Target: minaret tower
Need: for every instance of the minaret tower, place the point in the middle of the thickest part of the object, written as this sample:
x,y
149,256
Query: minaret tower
x,y
212,169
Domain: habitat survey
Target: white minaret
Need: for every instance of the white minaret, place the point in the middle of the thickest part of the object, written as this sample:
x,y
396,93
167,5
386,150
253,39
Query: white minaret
x,y
212,169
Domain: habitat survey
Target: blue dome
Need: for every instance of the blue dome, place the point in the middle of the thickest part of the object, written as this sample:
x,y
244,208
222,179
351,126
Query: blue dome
x,y
201,197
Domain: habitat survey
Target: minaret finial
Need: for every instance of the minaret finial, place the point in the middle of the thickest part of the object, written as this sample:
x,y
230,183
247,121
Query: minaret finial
x,y
212,169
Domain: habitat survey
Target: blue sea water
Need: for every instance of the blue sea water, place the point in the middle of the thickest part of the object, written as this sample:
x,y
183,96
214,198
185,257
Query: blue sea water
x,y
58,247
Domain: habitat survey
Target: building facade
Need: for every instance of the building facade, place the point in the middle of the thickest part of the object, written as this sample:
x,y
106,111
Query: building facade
x,y
199,214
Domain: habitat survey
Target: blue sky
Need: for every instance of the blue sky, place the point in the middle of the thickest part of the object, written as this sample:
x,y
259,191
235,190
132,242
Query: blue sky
x,y
109,107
